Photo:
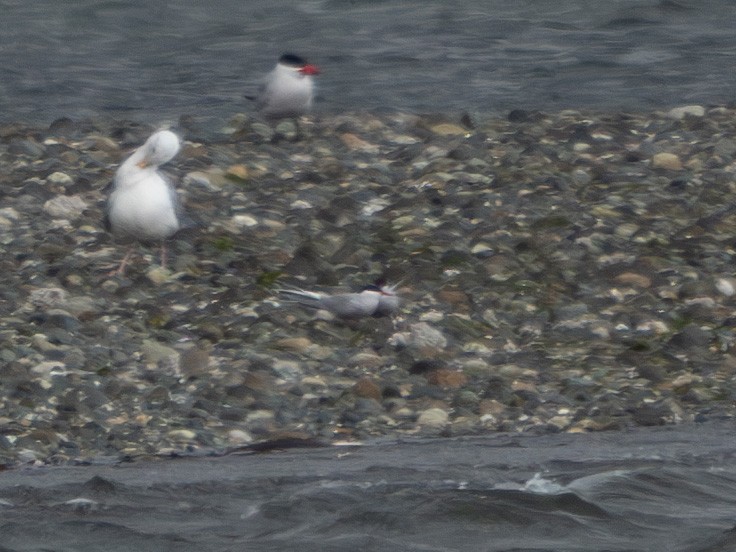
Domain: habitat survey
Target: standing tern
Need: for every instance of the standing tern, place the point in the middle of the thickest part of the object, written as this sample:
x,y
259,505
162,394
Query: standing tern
x,y
288,90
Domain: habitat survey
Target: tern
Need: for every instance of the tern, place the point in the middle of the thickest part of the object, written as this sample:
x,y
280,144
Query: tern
x,y
287,92
374,300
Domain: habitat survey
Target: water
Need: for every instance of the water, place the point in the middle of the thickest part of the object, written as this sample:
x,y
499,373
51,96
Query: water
x,y
154,61
665,489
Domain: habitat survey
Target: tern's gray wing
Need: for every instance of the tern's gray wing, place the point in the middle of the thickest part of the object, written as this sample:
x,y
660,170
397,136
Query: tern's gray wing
x,y
351,305
305,298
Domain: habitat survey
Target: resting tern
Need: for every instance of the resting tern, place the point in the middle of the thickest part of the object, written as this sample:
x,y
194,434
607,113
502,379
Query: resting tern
x,y
374,300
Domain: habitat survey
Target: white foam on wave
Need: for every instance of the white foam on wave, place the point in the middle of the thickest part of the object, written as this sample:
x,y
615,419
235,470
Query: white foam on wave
x,y
540,485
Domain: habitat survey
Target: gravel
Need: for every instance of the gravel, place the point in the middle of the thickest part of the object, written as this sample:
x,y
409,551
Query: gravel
x,y
559,272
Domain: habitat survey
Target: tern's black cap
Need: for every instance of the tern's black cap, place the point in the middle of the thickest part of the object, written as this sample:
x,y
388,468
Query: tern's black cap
x,y
292,60
370,287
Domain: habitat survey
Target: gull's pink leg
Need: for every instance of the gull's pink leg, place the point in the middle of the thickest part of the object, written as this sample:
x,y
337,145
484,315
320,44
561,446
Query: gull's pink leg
x,y
121,269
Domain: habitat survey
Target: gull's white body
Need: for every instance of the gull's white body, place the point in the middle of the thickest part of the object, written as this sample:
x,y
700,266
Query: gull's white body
x,y
286,92
369,302
143,205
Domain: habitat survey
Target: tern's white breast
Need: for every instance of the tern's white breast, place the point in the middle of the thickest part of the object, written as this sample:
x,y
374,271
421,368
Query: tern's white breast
x,y
287,94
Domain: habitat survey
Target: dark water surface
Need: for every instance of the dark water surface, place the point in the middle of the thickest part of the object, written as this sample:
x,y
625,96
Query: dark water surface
x,y
668,489
153,61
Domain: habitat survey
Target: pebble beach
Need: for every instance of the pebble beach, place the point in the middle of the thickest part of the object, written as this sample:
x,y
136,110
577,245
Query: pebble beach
x,y
559,272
